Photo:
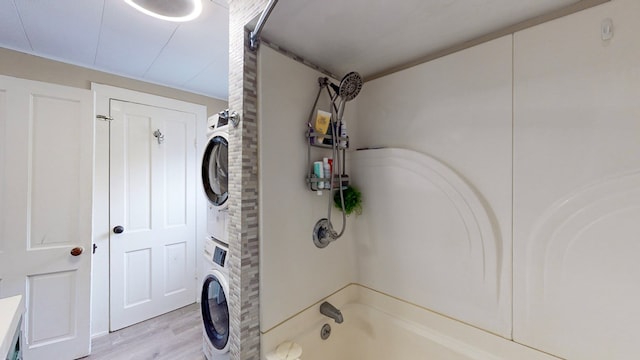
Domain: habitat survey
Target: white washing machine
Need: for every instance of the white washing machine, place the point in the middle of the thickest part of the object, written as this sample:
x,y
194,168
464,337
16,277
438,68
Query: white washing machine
x,y
215,166
213,304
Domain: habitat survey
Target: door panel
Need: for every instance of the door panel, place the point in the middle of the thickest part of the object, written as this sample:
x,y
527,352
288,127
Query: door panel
x,y
54,150
138,279
153,197
176,270
137,174
46,208
176,181
51,301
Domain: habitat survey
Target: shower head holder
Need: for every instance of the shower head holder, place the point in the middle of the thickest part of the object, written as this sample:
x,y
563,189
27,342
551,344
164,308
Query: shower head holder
x,y
323,81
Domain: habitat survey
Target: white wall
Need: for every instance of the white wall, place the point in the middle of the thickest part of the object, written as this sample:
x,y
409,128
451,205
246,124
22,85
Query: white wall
x,y
294,274
577,185
25,66
413,243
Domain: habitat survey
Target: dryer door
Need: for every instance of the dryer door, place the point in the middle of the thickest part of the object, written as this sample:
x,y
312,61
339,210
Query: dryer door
x,y
215,170
215,312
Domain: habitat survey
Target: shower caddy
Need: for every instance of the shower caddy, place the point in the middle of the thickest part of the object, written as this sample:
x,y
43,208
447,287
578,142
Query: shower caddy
x,y
350,86
312,141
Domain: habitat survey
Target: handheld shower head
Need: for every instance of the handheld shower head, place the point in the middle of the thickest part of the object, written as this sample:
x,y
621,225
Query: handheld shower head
x,y
350,86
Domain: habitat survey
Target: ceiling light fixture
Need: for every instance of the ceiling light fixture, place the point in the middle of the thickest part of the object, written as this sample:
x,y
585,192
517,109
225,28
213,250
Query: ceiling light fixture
x,y
170,10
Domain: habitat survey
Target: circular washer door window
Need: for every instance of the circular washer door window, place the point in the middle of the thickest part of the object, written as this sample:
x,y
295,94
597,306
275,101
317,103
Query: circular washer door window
x,y
215,312
215,170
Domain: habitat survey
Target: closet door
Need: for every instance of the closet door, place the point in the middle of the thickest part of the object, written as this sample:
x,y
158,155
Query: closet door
x,y
46,164
152,199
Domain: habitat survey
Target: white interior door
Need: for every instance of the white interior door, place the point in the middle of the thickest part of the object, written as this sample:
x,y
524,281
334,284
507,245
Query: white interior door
x,y
46,164
153,201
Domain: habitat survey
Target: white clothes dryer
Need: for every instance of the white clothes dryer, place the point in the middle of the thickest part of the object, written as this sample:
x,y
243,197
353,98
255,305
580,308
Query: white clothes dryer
x,y
215,173
213,304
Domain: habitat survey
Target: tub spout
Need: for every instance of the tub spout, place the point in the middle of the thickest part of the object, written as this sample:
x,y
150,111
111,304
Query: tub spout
x,y
329,310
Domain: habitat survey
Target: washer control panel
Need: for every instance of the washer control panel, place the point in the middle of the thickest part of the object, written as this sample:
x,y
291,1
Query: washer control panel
x,y
219,256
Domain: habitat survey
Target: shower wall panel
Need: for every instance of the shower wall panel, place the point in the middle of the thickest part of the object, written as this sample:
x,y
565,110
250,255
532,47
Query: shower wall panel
x,y
414,241
577,185
294,274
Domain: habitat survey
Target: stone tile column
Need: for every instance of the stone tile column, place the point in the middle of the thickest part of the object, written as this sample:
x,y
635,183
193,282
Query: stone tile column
x,y
244,297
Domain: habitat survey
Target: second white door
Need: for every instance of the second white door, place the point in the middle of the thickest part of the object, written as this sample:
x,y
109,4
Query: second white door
x,y
152,211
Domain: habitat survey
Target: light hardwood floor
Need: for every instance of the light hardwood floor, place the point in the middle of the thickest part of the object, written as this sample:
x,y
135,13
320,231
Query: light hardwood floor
x,y
173,336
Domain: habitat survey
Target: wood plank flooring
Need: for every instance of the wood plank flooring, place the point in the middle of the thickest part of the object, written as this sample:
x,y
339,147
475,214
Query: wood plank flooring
x,y
173,336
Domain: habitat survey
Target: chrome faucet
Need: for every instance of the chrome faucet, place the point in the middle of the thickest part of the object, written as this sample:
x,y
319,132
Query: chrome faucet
x,y
329,310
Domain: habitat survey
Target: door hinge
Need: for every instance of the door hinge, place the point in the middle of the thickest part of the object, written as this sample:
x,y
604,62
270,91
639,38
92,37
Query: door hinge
x,y
104,117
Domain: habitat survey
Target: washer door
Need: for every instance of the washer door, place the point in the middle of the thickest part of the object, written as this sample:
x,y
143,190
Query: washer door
x,y
215,312
215,170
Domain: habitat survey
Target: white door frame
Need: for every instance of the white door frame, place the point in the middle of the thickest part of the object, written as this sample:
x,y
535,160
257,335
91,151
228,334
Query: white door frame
x,y
100,273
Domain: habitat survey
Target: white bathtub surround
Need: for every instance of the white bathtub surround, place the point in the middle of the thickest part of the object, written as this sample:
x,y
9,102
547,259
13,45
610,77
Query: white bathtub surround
x,y
541,129
380,327
446,232
294,272
413,241
577,185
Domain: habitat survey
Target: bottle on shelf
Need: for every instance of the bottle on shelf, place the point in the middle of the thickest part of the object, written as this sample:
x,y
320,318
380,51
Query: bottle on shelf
x,y
343,134
327,172
318,171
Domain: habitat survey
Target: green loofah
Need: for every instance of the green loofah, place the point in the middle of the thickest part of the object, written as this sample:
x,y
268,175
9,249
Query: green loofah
x,y
352,200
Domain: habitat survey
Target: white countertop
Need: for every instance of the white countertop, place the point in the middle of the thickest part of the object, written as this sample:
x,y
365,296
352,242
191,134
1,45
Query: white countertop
x,y
10,313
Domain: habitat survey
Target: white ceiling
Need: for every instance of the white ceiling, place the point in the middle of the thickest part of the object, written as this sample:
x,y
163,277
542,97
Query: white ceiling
x,y
368,36
371,36
111,36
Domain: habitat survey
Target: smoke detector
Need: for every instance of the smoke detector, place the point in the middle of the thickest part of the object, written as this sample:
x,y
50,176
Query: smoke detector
x,y
170,10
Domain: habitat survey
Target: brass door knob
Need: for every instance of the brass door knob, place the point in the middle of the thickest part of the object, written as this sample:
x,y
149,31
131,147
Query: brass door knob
x,y
76,251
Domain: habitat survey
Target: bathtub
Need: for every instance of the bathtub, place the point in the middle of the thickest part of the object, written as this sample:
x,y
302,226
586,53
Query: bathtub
x,y
379,327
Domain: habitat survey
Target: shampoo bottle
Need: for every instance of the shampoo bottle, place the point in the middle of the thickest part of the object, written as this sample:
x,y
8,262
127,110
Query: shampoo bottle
x,y
327,172
319,173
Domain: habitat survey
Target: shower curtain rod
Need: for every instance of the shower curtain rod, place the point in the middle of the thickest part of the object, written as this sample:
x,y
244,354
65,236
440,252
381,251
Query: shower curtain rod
x,y
254,36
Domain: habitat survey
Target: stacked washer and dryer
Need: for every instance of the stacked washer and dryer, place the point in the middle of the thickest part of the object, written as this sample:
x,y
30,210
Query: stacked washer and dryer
x,y
215,283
